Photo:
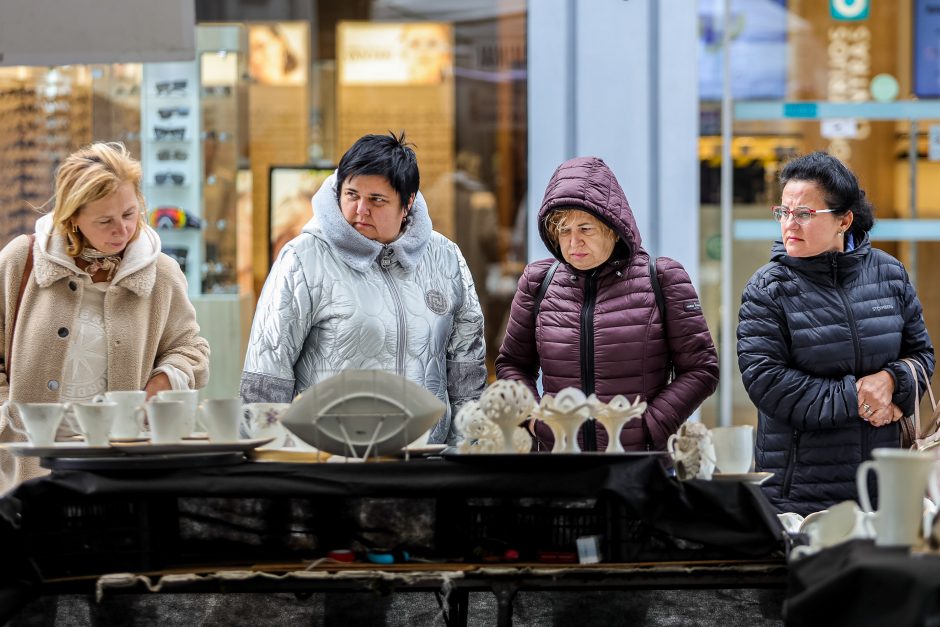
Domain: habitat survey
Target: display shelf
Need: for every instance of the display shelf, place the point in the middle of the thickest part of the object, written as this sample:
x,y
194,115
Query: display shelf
x,y
171,154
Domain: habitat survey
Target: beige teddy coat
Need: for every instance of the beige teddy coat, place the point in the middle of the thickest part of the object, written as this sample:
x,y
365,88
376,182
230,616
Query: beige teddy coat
x,y
149,321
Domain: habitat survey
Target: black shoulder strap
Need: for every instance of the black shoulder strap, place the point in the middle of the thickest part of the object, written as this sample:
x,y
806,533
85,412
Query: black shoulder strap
x,y
657,290
543,287
661,305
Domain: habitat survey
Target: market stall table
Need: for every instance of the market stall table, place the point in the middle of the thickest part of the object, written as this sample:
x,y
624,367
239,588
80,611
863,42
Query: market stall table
x,y
64,531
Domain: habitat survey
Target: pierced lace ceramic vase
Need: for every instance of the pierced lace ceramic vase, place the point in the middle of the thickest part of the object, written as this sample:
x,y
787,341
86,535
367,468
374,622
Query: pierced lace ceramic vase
x,y
506,404
614,415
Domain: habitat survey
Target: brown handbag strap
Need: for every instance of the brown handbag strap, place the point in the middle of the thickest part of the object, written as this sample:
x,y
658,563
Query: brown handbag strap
x,y
27,270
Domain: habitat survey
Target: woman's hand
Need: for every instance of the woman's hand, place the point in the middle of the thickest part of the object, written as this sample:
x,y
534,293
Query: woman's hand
x,y
158,383
891,414
874,398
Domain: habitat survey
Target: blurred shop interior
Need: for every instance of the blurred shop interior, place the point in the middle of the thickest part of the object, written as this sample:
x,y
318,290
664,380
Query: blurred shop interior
x,y
236,142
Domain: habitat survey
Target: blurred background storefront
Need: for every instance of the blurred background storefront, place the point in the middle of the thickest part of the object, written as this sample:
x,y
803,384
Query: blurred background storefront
x,y
494,94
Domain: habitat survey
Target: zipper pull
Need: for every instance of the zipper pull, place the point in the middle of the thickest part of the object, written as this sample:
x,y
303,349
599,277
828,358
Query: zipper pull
x,y
386,258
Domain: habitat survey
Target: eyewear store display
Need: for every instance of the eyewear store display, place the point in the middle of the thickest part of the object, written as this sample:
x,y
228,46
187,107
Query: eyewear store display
x,y
44,115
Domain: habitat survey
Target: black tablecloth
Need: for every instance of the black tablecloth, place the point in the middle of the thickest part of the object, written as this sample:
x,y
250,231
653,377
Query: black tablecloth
x,y
732,517
857,583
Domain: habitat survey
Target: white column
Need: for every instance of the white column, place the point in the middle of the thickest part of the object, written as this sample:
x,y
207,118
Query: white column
x,y
618,79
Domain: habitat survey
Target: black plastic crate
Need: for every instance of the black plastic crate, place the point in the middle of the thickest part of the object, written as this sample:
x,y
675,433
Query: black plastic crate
x,y
547,529
89,537
485,528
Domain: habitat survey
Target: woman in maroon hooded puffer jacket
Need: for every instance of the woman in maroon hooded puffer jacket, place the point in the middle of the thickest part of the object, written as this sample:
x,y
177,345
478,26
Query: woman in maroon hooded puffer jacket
x,y
598,327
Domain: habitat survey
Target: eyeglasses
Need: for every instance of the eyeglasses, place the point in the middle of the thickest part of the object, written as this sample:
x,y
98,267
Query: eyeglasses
x,y
802,215
217,90
169,133
166,88
167,112
176,178
172,155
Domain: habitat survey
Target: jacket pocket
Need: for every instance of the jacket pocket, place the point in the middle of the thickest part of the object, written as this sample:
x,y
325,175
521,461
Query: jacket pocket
x,y
791,463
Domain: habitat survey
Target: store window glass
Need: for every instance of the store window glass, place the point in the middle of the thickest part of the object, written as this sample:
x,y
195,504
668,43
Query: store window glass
x,y
806,76
452,76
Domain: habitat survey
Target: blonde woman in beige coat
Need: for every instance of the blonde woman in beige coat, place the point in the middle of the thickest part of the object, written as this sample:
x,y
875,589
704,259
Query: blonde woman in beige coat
x,y
102,309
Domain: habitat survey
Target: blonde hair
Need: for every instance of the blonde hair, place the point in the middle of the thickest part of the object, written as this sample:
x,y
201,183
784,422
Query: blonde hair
x,y
89,174
559,218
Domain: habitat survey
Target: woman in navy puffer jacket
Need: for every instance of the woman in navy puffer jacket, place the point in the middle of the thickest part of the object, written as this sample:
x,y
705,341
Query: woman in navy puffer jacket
x,y
822,330
598,327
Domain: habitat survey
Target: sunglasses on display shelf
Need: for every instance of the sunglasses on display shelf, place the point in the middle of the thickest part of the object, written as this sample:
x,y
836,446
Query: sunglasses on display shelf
x,y
173,218
178,132
164,178
16,92
167,112
802,215
24,108
217,90
127,90
220,135
172,155
166,88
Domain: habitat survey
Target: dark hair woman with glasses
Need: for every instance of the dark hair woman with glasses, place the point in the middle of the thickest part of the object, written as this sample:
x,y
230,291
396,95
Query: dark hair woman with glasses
x,y
823,329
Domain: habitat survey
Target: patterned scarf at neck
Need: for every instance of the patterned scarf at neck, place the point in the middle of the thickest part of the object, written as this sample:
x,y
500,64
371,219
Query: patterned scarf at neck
x,y
98,260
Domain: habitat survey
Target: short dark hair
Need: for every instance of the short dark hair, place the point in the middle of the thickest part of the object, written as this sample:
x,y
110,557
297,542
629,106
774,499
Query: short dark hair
x,y
840,188
382,155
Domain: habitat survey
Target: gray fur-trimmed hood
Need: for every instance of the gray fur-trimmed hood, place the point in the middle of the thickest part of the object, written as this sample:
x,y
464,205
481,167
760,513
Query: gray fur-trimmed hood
x,y
357,250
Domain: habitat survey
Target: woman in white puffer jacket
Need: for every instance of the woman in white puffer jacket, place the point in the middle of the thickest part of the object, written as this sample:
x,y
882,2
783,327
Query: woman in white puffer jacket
x,y
369,285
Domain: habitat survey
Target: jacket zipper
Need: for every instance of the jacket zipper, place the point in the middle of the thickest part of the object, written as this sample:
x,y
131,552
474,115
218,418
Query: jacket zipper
x,y
587,353
856,343
791,462
386,263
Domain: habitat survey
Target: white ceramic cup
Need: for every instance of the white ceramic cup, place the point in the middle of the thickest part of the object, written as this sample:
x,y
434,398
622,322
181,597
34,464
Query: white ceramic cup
x,y
734,449
263,420
221,416
95,421
190,399
41,421
903,478
167,420
129,420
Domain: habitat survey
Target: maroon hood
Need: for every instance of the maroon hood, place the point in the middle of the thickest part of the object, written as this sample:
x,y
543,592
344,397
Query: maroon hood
x,y
586,183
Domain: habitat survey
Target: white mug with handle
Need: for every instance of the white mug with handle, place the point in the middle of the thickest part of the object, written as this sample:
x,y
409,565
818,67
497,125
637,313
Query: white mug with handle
x,y
903,478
